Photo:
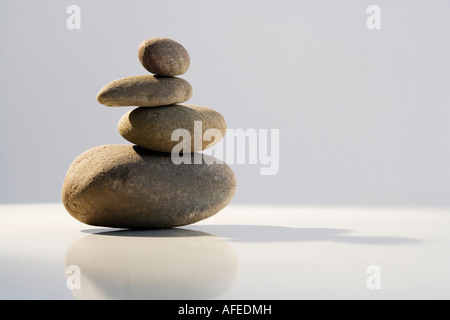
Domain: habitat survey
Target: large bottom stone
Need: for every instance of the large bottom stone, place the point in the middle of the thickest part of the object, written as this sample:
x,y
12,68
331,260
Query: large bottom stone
x,y
127,186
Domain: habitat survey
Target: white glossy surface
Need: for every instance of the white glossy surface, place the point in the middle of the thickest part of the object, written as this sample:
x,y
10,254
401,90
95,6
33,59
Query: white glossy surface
x,y
240,253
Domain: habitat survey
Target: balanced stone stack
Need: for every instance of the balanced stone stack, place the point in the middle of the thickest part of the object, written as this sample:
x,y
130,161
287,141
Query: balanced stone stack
x,y
140,186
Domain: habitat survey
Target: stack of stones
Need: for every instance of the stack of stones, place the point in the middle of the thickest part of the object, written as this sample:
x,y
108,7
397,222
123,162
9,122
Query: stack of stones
x,y
140,186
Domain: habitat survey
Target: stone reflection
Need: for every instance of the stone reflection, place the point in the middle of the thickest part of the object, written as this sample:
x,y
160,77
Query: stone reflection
x,y
151,264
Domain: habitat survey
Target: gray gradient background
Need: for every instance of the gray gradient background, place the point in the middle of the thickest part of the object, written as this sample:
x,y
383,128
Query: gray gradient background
x,y
364,115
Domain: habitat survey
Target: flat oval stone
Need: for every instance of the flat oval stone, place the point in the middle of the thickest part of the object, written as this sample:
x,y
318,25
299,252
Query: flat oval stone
x,y
125,186
164,57
145,91
152,128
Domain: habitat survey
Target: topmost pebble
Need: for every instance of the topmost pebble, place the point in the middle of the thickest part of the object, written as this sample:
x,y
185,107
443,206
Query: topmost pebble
x,y
164,57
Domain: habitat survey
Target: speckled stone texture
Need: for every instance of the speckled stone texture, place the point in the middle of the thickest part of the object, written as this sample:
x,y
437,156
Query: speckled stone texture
x,y
152,127
145,91
164,57
127,186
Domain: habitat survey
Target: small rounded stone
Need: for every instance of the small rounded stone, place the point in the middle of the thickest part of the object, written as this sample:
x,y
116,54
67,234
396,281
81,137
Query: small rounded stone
x,y
153,128
125,186
163,56
145,91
